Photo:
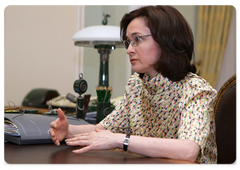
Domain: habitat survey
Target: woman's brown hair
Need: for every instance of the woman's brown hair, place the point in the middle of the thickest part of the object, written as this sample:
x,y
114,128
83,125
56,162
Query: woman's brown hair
x,y
174,36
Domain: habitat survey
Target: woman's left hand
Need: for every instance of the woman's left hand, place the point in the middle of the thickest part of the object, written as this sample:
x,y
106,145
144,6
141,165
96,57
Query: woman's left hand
x,y
96,140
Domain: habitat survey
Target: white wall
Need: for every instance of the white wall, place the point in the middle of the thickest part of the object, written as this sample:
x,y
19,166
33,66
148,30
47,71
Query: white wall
x,y
38,49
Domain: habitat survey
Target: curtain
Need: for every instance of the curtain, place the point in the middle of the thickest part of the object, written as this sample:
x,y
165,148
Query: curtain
x,y
212,35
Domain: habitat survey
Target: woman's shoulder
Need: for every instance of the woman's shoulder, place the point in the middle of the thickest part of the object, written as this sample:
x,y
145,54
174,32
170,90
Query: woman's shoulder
x,y
197,83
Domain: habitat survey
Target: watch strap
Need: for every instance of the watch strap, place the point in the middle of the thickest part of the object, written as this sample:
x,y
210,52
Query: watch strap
x,y
126,142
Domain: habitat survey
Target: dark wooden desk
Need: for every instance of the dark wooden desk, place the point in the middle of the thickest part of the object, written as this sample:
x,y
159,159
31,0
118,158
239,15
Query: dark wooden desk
x,y
40,110
51,154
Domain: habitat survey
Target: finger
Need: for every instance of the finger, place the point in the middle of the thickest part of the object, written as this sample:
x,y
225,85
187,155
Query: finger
x,y
77,143
71,139
61,114
77,138
54,139
57,143
82,150
53,124
77,135
51,132
82,134
53,136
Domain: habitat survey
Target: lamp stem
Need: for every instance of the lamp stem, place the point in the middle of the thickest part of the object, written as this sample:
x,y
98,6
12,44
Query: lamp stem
x,y
103,72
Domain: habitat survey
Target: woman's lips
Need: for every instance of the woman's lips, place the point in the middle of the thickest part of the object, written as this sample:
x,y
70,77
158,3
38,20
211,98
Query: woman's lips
x,y
133,60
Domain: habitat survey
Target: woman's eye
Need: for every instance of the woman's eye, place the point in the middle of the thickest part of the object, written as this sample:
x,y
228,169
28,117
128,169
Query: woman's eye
x,y
138,39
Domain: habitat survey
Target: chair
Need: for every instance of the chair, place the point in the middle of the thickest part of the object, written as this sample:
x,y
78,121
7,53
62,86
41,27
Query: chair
x,y
225,117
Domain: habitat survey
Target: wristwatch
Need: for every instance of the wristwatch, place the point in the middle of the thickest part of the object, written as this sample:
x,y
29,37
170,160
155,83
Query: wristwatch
x,y
126,142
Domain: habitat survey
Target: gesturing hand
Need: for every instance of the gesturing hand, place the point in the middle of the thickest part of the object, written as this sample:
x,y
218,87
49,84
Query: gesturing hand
x,y
59,128
96,140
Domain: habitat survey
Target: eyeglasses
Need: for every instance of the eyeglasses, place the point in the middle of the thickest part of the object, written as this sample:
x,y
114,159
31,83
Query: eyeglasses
x,y
135,41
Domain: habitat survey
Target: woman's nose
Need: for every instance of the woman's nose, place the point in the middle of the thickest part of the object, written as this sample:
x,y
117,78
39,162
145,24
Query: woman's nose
x,y
130,49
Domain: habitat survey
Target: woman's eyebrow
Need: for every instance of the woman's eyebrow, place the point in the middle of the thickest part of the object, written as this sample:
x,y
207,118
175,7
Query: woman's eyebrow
x,y
133,34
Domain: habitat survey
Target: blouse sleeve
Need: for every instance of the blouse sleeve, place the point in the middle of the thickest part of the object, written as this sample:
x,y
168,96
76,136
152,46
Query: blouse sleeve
x,y
197,118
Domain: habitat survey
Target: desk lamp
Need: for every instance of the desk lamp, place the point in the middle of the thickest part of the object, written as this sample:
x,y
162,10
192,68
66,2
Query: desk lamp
x,y
104,38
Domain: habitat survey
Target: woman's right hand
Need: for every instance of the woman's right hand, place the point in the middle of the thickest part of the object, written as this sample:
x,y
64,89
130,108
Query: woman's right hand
x,y
59,128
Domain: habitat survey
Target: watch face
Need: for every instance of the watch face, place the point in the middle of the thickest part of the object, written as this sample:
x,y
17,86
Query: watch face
x,y
125,142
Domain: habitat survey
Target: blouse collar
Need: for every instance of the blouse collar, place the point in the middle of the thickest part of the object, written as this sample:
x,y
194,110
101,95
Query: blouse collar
x,y
157,84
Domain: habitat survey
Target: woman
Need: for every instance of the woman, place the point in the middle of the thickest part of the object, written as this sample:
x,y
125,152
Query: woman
x,y
167,110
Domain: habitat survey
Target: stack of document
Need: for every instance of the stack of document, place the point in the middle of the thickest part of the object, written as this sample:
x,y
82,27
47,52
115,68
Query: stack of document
x,y
25,129
10,128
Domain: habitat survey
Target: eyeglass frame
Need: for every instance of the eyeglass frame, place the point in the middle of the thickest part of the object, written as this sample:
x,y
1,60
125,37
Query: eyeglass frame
x,y
134,44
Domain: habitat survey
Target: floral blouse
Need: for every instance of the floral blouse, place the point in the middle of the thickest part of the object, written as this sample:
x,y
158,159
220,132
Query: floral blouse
x,y
162,108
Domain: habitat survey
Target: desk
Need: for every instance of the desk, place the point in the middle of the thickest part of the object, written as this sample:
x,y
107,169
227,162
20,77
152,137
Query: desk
x,y
40,110
51,154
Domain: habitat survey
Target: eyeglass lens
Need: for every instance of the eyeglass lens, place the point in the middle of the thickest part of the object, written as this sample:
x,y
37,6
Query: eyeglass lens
x,y
134,42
